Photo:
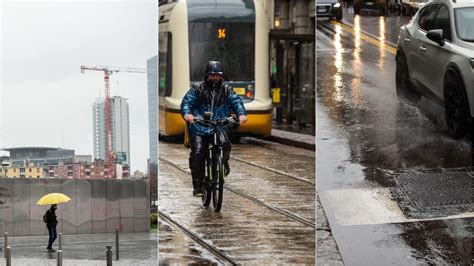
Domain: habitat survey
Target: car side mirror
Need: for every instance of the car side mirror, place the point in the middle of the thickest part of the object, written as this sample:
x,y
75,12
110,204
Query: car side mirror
x,y
436,36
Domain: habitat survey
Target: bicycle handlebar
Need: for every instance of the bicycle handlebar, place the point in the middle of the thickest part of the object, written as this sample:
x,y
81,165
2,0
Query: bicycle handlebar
x,y
220,122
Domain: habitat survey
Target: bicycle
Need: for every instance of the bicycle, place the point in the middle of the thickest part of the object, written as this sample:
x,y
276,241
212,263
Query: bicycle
x,y
213,183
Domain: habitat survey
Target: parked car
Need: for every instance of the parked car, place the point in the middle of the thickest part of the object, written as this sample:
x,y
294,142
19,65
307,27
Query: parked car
x,y
381,5
329,9
435,58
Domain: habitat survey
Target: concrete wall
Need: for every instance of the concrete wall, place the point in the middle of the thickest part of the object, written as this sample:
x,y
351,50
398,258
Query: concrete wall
x,y
96,206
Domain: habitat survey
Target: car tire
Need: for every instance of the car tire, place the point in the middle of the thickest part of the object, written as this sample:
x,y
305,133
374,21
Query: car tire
x,y
405,89
458,118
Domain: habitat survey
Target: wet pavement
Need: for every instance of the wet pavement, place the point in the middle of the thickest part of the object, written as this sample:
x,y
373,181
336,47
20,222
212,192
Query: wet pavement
x,y
363,131
177,248
268,213
85,249
385,28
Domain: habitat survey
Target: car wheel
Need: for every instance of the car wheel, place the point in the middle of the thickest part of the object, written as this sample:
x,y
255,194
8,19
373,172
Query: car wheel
x,y
404,86
456,107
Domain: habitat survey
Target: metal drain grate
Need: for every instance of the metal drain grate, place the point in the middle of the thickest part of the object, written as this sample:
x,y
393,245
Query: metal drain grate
x,y
437,194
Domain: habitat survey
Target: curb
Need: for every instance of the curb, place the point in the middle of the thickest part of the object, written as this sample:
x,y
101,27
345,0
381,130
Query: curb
x,y
289,142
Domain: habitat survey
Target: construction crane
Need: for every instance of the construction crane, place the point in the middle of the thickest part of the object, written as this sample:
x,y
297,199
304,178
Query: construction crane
x,y
109,171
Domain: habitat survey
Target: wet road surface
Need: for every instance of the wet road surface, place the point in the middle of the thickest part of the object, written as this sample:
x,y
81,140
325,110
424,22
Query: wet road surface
x,y
177,248
369,143
268,213
134,247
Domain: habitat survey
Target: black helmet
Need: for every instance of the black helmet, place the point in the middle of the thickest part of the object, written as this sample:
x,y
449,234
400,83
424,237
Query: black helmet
x,y
214,67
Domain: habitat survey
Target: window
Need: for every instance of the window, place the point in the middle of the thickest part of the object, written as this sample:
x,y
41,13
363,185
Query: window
x,y
165,64
22,170
231,43
465,23
51,174
69,174
442,22
30,170
427,16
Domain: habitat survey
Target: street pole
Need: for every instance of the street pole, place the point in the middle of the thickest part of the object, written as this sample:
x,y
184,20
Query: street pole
x,y
108,254
5,243
117,243
8,255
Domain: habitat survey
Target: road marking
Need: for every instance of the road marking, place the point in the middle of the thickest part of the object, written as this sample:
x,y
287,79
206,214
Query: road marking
x,y
363,206
367,38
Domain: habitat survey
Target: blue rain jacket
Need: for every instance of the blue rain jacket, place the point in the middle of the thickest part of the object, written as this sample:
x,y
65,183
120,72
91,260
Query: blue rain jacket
x,y
198,100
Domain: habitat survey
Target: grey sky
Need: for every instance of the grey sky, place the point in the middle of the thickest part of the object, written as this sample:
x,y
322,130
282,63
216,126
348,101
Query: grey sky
x,y
45,100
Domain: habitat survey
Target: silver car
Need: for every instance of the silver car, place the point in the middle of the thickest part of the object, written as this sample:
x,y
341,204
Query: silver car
x,y
435,58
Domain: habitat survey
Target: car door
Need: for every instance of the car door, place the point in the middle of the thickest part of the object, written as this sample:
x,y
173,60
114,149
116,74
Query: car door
x,y
417,42
437,57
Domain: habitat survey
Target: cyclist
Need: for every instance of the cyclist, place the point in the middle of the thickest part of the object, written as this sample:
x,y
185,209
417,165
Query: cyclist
x,y
210,95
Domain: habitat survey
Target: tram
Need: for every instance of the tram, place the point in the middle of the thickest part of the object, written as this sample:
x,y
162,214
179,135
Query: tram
x,y
234,32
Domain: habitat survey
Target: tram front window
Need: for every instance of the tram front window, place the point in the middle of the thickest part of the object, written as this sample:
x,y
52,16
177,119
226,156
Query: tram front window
x,y
230,43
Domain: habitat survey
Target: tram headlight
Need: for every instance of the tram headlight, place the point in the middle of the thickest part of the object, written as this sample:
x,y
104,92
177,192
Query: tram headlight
x,y
250,91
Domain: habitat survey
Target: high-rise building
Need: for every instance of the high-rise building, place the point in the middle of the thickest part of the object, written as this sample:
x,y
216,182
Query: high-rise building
x,y
152,78
119,114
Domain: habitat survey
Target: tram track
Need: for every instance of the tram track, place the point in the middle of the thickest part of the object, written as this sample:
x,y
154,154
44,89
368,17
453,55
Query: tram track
x,y
212,249
272,170
285,213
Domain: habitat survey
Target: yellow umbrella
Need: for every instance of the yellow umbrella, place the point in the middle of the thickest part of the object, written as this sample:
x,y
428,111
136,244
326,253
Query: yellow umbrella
x,y
53,198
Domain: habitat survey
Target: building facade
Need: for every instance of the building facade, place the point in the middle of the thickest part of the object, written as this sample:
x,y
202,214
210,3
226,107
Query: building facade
x,y
120,129
293,56
29,171
78,170
152,79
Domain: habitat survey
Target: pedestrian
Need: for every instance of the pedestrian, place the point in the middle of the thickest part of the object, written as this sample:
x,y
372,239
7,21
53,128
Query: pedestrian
x,y
51,222
219,99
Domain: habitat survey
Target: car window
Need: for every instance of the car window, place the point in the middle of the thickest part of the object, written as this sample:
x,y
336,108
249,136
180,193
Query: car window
x,y
427,16
465,23
442,22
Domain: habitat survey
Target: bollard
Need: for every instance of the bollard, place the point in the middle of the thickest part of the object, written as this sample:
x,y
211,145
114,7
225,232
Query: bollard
x,y
5,243
109,255
60,241
60,258
8,255
117,243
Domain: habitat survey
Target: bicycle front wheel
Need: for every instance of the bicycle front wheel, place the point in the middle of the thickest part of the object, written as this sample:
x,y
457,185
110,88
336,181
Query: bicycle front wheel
x,y
218,190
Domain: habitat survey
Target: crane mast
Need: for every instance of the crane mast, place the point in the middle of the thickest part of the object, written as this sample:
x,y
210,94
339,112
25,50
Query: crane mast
x,y
109,171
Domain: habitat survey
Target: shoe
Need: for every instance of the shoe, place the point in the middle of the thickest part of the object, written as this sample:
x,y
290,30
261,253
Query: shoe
x,y
51,250
197,193
226,168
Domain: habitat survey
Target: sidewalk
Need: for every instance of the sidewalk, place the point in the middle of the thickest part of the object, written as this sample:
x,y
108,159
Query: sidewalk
x,y
290,135
84,249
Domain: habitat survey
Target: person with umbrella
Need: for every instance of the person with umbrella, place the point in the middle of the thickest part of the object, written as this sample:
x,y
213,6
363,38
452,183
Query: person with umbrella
x,y
51,223
50,217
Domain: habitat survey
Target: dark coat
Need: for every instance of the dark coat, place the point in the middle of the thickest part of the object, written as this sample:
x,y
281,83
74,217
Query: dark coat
x,y
51,220
200,98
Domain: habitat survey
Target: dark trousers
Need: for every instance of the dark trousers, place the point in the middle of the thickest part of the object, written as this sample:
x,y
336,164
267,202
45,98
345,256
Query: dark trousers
x,y
197,157
52,236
